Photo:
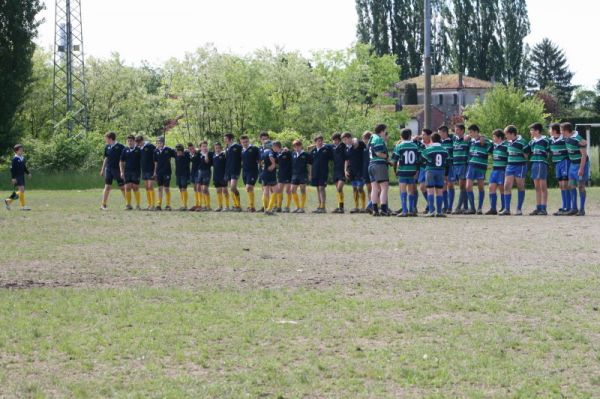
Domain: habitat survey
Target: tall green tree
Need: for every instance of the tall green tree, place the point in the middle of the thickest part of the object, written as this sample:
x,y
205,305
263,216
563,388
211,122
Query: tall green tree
x,y
515,27
549,68
18,28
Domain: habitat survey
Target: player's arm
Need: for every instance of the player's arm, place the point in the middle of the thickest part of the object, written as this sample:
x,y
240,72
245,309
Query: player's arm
x,y
103,166
584,155
155,165
273,164
347,168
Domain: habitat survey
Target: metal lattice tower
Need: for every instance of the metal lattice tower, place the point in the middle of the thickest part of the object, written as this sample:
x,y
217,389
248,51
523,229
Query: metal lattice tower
x,y
69,95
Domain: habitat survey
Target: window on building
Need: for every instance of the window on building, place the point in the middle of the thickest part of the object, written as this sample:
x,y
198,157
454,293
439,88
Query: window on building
x,y
441,99
456,99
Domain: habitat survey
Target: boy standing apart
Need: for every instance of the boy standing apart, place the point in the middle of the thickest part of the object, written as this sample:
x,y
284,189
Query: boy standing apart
x,y
560,159
579,168
110,166
538,150
18,170
130,166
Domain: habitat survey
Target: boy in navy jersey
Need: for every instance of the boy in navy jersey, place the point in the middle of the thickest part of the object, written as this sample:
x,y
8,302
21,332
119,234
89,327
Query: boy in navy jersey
x,y
353,170
194,175
284,176
233,168
320,155
162,172
18,170
338,149
250,161
204,175
147,162
366,138
269,177
182,174
300,164
130,166
110,166
219,180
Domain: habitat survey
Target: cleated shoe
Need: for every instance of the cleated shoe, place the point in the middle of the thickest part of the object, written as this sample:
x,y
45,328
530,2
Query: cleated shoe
x,y
158,208
479,212
168,208
25,208
492,212
534,213
519,212
285,210
7,204
440,215
505,212
581,212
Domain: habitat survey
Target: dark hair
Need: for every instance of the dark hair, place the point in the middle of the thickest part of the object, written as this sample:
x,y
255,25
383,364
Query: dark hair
x,y
179,147
244,137
566,126
380,128
276,144
229,136
427,131
459,126
318,137
263,134
436,138
367,135
555,127
537,126
499,133
443,128
217,144
139,138
131,137
204,142
336,136
17,147
406,134
474,128
297,142
111,135
511,129
190,144
347,135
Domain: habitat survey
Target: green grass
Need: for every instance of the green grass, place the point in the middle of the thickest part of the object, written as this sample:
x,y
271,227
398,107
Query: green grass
x,y
116,304
83,180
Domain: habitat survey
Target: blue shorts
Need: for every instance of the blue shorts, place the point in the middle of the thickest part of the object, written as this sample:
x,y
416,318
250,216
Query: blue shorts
x,y
459,172
250,178
422,177
358,183
111,174
518,171
148,175
182,181
475,173
561,169
497,177
298,180
318,182
406,180
203,177
539,171
574,172
163,180
435,178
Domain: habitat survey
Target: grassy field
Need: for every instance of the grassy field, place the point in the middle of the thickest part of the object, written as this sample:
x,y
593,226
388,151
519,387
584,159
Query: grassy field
x,y
117,304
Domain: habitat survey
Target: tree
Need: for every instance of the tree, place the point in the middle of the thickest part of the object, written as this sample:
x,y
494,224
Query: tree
x,y
584,103
515,27
549,68
503,106
18,28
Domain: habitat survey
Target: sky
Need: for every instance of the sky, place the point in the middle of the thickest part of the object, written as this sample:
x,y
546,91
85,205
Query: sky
x,y
155,31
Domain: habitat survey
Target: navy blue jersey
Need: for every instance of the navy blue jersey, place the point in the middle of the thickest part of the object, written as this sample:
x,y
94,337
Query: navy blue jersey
x,y
219,162
266,155
284,160
355,155
366,160
300,162
182,164
339,158
162,158
132,157
18,167
320,162
233,155
195,164
205,161
250,158
148,158
112,153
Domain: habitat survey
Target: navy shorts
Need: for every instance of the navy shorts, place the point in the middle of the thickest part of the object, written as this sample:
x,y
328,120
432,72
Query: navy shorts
x,y
285,178
339,176
497,177
518,171
318,181
574,172
250,178
366,176
232,175
203,177
459,172
561,169
182,181
111,174
539,171
298,180
132,178
268,178
20,180
219,181
435,178
475,173
163,180
148,175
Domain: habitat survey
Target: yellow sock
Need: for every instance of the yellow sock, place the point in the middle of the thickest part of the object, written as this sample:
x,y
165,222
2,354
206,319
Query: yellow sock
x,y
22,199
302,200
265,201
152,198
182,195
363,200
296,200
356,199
148,197
219,200
272,201
207,200
226,195
128,197
197,197
340,197
251,199
158,200
168,198
138,197
279,200
235,198
288,200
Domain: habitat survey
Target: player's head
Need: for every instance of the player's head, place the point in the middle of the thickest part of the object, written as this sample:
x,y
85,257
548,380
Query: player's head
x,y
179,148
131,141
191,147
268,145
555,130
443,131
336,138
277,146
318,140
244,141
203,146
263,137
18,149
160,142
459,129
139,140
498,136
566,129
381,129
110,137
228,138
426,134
406,134
347,138
474,131
297,144
366,137
436,138
536,129
511,132
218,147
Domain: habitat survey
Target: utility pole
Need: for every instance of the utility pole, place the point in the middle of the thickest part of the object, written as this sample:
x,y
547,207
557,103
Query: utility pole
x,y
69,102
427,63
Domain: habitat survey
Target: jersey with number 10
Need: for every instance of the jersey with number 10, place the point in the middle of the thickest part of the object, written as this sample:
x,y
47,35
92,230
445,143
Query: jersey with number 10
x,y
406,154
